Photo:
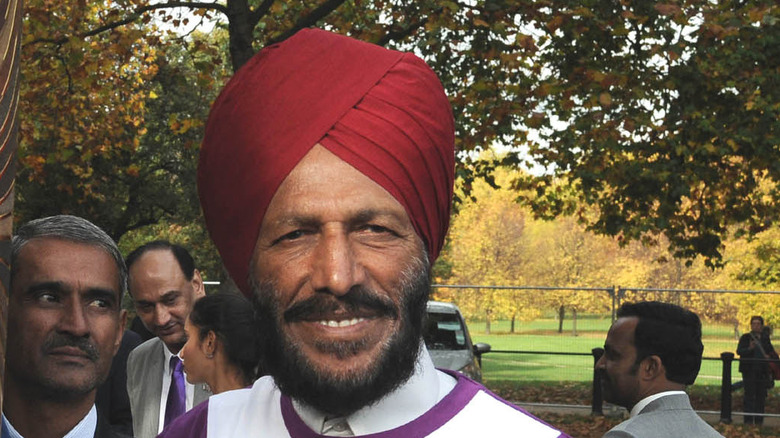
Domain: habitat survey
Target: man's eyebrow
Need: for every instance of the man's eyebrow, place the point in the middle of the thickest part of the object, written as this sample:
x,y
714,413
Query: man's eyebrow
x,y
53,286
361,216
170,294
369,214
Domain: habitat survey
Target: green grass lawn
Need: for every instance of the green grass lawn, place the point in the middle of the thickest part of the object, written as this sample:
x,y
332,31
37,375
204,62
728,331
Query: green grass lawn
x,y
542,336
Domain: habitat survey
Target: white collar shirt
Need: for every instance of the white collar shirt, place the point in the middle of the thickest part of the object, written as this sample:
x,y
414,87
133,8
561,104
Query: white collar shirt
x,y
84,429
650,398
426,387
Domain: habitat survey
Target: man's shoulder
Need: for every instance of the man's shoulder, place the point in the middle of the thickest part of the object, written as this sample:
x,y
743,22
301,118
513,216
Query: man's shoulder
x,y
663,423
472,408
667,416
142,359
146,350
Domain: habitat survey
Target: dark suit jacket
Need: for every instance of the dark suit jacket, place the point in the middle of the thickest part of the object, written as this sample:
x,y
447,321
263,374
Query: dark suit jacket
x,y
112,400
104,430
668,416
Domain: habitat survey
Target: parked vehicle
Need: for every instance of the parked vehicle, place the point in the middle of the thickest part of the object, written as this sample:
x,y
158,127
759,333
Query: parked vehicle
x,y
448,341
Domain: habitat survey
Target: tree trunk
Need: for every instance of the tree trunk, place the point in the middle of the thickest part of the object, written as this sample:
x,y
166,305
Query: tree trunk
x,y
512,326
487,322
574,321
561,313
10,40
240,30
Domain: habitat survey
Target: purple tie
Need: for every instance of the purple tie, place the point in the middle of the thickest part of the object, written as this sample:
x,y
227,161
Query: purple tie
x,y
177,395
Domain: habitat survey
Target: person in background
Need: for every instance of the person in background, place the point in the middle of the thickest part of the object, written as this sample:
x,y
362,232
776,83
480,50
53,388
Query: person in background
x,y
652,352
754,350
222,348
65,324
163,284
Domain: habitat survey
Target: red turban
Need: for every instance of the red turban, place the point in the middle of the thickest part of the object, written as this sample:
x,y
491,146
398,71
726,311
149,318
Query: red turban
x,y
384,112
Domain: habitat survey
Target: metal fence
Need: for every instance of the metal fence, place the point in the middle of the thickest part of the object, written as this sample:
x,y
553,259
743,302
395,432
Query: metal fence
x,y
556,343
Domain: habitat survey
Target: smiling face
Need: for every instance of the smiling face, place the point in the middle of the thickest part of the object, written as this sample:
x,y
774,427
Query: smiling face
x,y
339,277
64,318
618,367
163,296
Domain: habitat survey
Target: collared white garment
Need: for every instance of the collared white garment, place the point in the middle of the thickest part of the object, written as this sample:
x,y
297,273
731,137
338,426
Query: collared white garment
x,y
647,400
166,387
467,410
416,396
84,429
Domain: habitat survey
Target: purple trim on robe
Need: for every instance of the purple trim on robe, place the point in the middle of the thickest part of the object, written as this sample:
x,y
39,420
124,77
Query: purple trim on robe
x,y
192,424
423,425
490,393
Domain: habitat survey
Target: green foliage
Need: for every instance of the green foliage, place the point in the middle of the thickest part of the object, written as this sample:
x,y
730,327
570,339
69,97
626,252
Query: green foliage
x,y
663,116
81,112
126,159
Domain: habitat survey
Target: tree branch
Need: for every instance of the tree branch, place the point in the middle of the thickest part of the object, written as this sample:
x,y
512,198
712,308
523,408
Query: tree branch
x,y
135,16
257,14
316,15
399,34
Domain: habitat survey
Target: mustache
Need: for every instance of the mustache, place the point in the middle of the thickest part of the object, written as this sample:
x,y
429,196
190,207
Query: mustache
x,y
357,299
82,344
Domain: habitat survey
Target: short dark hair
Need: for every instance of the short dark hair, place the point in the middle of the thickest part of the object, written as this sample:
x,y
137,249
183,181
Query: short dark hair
x,y
72,229
182,256
757,317
231,317
669,332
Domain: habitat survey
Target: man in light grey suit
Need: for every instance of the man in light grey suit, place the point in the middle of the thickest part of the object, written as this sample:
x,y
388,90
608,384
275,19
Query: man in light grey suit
x,y
164,284
652,352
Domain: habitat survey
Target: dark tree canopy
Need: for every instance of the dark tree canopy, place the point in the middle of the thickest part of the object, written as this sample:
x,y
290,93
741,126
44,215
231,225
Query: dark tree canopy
x,y
662,115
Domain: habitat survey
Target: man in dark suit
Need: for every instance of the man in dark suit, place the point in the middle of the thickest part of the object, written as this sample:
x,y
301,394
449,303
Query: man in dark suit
x,y
65,324
652,352
164,285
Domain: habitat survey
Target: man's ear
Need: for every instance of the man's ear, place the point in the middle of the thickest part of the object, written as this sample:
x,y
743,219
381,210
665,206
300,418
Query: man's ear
x,y
652,368
197,285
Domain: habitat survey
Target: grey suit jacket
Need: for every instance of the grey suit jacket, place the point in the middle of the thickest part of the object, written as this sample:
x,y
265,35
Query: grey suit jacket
x,y
144,386
668,416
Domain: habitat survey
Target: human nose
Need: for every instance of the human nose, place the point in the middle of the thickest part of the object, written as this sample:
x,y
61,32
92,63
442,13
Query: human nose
x,y
74,320
600,364
336,269
161,315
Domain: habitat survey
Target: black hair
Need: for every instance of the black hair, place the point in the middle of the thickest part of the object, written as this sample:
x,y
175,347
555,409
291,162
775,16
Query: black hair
x,y
757,317
669,332
231,317
182,256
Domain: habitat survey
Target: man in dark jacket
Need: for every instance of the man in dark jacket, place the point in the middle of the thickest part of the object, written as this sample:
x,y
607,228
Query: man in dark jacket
x,y
65,324
754,349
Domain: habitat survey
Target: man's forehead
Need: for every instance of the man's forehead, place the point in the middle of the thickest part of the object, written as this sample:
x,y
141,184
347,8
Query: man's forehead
x,y
54,259
623,329
325,178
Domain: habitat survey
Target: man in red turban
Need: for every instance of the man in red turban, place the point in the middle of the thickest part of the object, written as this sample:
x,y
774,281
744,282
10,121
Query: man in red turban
x,y
326,180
